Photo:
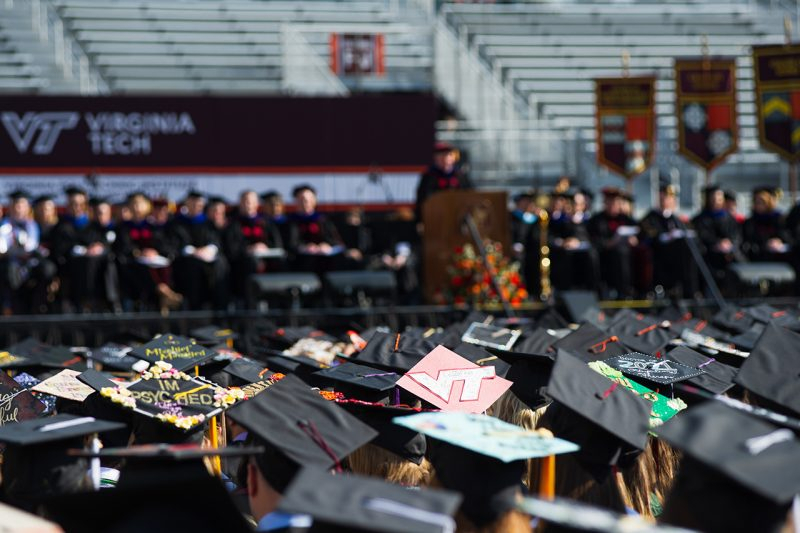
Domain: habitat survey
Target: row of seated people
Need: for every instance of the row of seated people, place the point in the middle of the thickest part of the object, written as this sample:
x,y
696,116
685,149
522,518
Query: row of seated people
x,y
625,258
140,255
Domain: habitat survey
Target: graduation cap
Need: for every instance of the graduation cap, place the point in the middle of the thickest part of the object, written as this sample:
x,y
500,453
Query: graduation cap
x,y
286,337
299,365
73,190
746,450
163,505
491,336
115,356
482,457
481,357
591,343
699,327
403,442
640,332
551,319
731,319
213,334
247,370
65,385
194,194
40,355
453,383
530,377
360,381
35,462
394,351
764,314
649,369
94,201
563,514
10,360
42,198
16,403
19,194
579,304
717,377
356,503
180,352
298,427
536,341
608,421
747,341
772,371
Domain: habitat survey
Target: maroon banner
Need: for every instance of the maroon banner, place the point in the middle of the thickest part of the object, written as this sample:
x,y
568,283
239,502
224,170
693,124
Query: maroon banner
x,y
705,92
625,121
777,78
357,54
281,134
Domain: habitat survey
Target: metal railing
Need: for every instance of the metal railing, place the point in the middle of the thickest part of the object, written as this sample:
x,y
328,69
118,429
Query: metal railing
x,y
304,71
68,54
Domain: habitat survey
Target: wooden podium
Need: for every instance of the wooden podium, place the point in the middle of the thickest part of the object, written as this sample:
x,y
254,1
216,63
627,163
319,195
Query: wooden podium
x,y
443,216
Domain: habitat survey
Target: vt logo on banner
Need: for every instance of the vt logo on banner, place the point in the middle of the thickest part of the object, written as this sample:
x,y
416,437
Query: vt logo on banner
x,y
453,383
43,127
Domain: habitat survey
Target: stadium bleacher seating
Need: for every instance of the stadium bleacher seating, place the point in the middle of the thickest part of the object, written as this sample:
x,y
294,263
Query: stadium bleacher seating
x,y
552,51
212,46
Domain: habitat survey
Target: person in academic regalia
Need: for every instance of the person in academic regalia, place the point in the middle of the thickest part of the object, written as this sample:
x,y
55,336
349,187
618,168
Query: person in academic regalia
x,y
273,208
664,235
764,236
526,242
356,237
200,267
217,213
26,269
144,253
733,208
614,235
101,214
247,238
318,246
442,175
573,258
46,217
80,249
718,233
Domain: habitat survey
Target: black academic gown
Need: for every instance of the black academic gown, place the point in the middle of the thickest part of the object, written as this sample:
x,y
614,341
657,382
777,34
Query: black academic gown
x,y
83,277
572,269
672,263
760,228
435,180
711,228
200,282
315,229
139,281
616,254
526,244
242,233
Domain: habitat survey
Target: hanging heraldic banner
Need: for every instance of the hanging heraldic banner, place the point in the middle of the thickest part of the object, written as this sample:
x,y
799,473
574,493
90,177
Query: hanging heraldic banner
x,y
705,90
354,54
626,123
777,75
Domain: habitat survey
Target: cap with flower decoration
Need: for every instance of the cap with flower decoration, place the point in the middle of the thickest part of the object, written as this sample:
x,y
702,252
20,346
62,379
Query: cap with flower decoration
x,y
180,352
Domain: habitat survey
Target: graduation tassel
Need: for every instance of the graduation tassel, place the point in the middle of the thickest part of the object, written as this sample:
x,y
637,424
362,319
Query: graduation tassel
x,y
216,464
547,477
197,371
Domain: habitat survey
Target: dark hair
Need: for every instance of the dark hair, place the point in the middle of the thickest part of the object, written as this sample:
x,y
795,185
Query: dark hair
x,y
302,188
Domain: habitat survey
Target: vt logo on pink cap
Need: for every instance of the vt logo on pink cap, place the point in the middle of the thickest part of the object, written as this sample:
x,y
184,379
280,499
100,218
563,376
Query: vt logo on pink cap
x,y
453,383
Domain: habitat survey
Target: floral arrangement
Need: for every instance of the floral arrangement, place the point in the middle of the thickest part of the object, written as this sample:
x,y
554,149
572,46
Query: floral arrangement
x,y
331,395
181,421
470,282
119,395
164,370
226,397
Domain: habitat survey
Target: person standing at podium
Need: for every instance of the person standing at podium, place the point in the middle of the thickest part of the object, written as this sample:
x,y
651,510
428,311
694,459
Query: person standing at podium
x,y
443,175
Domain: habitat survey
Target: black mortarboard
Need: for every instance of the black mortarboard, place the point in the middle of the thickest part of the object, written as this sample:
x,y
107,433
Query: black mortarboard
x,y
94,201
591,343
530,377
298,425
194,194
606,420
772,371
298,365
42,198
699,326
180,352
747,341
346,503
401,441
360,381
749,451
74,189
302,188
640,332
579,304
247,371
717,378
551,319
18,194
216,200
43,355
764,314
394,351
35,462
734,320
286,337
481,357
537,341
652,371
491,336
213,334
115,356
269,195
523,195
164,505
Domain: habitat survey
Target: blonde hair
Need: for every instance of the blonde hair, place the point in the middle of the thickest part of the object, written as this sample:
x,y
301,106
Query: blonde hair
x,y
511,521
374,461
509,408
